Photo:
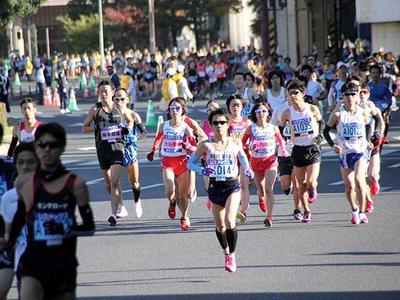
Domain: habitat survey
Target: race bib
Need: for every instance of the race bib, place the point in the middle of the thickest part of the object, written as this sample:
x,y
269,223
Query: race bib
x,y
111,133
52,227
3,185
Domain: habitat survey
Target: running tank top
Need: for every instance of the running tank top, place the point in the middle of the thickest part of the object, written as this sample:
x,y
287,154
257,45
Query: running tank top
x,y
49,222
108,126
276,101
304,126
262,141
25,135
172,140
351,131
237,128
337,85
207,128
223,162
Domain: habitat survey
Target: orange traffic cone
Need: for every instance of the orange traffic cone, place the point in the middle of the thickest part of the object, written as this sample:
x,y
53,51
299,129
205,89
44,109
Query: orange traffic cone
x,y
86,93
47,97
56,99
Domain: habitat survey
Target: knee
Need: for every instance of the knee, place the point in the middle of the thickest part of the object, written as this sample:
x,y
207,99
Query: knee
x,y
115,183
349,189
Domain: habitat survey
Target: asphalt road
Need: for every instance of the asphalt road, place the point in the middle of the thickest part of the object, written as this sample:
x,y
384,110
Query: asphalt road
x,y
151,258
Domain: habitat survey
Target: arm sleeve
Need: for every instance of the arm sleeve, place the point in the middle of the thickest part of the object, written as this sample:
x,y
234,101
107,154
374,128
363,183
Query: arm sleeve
x,y
243,160
17,223
321,126
157,141
245,138
142,129
327,136
281,142
87,227
193,163
13,144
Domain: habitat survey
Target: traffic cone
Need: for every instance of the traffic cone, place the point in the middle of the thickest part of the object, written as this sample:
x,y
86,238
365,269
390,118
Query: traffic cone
x,y
151,120
47,97
73,106
56,99
82,82
159,122
86,93
16,84
92,83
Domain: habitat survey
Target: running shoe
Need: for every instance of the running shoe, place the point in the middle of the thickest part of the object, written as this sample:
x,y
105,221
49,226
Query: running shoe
x,y
112,220
230,263
241,216
138,209
307,217
355,217
185,224
193,198
288,191
122,213
208,204
363,218
172,210
374,187
385,140
370,206
312,195
262,204
268,222
297,215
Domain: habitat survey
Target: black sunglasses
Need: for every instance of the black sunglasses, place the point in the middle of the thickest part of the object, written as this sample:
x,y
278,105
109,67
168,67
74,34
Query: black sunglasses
x,y
349,94
119,99
294,92
215,123
52,145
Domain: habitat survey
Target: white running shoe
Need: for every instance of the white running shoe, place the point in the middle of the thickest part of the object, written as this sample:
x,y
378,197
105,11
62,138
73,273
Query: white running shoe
x,y
123,212
193,197
138,209
355,217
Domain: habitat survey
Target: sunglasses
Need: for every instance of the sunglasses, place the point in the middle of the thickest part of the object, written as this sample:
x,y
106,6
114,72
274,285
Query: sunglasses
x,y
349,94
294,92
175,108
52,145
261,111
211,109
119,99
364,92
215,123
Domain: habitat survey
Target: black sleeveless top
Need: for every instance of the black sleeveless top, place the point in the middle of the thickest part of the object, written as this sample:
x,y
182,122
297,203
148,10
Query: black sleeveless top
x,y
49,222
108,126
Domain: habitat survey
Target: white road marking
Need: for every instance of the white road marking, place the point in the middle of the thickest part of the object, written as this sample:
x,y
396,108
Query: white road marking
x,y
145,187
94,181
70,161
76,125
394,166
89,163
87,148
336,183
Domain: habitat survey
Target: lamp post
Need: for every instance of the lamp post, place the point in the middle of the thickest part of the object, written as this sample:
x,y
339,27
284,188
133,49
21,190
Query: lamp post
x,y
101,34
152,33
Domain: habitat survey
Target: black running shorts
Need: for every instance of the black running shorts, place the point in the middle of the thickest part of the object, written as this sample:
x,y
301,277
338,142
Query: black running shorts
x,y
303,156
110,154
285,166
219,191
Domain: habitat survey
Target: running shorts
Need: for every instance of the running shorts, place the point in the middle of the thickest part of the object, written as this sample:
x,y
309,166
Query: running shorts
x,y
285,165
219,191
110,154
130,154
260,165
348,161
177,163
303,156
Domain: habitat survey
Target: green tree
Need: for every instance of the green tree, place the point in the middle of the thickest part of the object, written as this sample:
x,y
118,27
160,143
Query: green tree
x,y
12,8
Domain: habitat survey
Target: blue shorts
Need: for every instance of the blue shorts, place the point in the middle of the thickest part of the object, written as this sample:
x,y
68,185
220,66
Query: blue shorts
x,y
348,161
219,191
130,154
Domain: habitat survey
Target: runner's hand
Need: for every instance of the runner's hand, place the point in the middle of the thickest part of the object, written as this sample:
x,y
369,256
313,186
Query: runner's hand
x,y
249,173
207,171
150,156
337,149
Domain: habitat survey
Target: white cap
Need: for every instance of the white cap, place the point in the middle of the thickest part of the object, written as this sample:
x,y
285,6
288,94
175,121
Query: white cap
x,y
180,68
340,64
170,72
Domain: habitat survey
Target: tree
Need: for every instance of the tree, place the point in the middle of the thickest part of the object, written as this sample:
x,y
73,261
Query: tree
x,y
11,8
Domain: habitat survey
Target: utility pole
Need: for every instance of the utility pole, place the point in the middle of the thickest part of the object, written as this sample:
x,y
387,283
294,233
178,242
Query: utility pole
x,y
152,32
264,27
101,34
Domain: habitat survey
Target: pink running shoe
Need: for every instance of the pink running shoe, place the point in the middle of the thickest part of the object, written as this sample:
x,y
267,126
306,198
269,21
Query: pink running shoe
x,y
363,218
374,187
185,224
370,206
172,210
306,217
262,204
312,195
230,263
355,217
208,204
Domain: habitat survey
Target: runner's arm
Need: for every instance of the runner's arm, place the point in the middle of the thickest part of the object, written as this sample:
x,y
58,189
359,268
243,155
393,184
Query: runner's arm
x,y
87,128
81,194
329,125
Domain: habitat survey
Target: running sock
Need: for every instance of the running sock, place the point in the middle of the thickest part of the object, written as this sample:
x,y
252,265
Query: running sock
x,y
136,193
221,236
287,191
231,236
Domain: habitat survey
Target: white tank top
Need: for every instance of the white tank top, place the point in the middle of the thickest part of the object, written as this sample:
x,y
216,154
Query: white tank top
x,y
223,162
276,101
351,131
172,140
26,136
304,126
262,141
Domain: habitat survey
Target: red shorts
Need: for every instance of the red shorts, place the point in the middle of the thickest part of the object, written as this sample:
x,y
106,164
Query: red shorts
x,y
177,163
260,165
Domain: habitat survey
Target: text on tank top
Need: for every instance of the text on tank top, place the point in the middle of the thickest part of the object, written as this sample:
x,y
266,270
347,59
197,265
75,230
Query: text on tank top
x,y
52,215
237,128
25,135
172,140
108,126
304,126
351,131
223,162
262,141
